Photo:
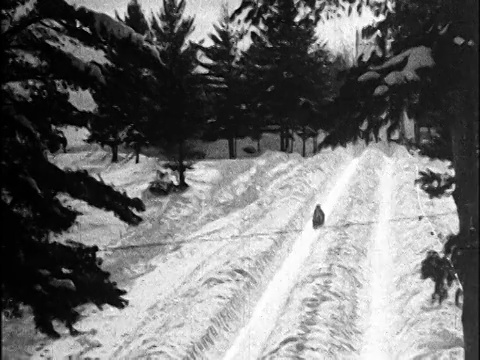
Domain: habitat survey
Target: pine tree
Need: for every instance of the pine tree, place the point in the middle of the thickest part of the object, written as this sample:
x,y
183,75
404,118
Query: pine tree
x,y
182,112
224,78
49,277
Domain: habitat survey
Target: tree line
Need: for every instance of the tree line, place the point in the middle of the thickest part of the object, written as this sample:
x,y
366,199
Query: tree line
x,y
214,91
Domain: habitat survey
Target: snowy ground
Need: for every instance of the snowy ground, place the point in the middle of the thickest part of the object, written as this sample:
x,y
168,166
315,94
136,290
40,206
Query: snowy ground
x,y
234,269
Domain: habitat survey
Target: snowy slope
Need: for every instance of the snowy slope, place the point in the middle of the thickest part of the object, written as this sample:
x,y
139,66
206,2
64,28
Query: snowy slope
x,y
218,248
227,198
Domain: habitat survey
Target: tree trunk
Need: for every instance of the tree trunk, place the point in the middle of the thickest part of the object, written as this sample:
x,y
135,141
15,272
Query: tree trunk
x,y
235,146
303,147
416,128
181,167
258,144
466,175
231,147
282,139
291,140
287,141
137,154
114,153
470,306
376,132
401,127
466,198
314,141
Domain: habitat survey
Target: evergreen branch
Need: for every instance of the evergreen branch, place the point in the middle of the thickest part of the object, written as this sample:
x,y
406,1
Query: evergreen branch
x,y
9,35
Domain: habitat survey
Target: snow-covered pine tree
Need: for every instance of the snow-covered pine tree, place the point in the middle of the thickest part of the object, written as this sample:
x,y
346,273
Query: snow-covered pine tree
x,y
49,277
130,98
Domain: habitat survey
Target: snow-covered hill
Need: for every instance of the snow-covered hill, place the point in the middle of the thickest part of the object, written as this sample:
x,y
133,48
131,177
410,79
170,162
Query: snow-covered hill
x,y
232,267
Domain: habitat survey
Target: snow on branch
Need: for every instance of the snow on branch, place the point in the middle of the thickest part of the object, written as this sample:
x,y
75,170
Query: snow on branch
x,y
110,29
100,25
400,69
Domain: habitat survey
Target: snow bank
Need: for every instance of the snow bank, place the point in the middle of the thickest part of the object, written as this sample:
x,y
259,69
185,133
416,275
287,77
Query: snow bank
x,y
423,329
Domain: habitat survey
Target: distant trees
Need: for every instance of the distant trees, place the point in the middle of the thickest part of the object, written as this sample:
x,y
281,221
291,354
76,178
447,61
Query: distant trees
x,y
244,92
159,102
285,67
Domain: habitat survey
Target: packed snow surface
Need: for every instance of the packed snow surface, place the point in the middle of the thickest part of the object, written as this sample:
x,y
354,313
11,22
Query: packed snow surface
x,y
232,269
248,343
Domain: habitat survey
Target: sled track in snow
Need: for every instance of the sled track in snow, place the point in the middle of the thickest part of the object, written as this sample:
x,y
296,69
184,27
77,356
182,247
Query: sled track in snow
x,y
322,318
249,343
378,328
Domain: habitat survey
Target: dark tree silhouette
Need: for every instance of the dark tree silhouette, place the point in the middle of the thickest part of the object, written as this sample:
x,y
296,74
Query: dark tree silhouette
x,y
49,277
182,115
128,102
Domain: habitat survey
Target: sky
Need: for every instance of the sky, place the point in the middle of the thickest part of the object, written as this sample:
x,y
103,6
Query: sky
x,y
337,34
206,12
